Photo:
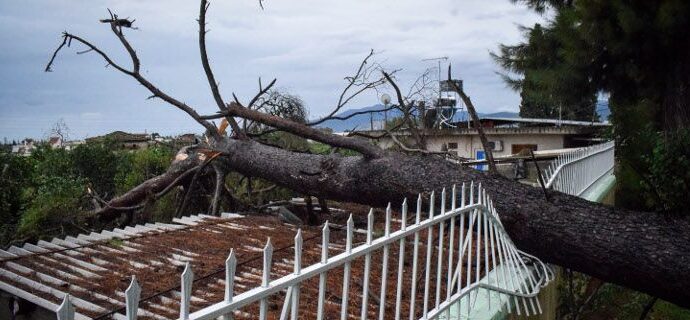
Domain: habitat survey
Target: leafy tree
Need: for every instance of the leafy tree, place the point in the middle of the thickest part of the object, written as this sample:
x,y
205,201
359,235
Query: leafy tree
x,y
637,52
552,85
96,163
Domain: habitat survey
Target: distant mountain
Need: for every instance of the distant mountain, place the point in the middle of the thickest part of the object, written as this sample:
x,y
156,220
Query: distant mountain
x,y
502,114
360,121
363,121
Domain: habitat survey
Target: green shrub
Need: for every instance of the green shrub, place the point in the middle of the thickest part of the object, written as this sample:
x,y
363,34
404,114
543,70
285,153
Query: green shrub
x,y
136,167
15,177
96,163
57,202
666,182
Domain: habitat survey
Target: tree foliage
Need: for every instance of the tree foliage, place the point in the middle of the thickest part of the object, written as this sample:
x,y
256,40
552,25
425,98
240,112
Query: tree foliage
x,y
552,83
638,54
53,190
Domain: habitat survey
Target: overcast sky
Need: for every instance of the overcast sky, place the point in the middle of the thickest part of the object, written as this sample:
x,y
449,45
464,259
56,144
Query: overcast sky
x,y
309,46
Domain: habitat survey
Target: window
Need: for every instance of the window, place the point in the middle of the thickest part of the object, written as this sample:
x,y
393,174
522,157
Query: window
x,y
517,148
452,145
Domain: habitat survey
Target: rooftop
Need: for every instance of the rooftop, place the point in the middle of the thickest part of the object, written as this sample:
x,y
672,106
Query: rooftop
x,y
95,269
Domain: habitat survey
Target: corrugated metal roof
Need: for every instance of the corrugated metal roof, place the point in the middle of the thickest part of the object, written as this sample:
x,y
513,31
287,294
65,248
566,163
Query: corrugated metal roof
x,y
548,121
95,269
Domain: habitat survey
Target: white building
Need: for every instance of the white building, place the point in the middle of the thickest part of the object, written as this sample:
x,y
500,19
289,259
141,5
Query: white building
x,y
507,135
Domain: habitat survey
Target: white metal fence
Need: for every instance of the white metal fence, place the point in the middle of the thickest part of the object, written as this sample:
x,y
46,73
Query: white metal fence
x,y
464,245
576,171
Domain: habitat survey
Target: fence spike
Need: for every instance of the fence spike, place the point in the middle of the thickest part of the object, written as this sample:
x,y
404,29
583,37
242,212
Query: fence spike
x,y
230,268
350,230
298,251
418,218
454,196
387,228
325,235
187,278
268,256
294,310
132,295
431,204
266,279
479,193
325,238
403,224
66,310
443,201
370,226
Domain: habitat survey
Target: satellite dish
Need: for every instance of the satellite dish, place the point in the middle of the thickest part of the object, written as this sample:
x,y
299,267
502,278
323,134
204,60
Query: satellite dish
x,y
385,99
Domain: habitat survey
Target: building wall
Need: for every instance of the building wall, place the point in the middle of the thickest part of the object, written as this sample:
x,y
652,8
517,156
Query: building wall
x,y
469,144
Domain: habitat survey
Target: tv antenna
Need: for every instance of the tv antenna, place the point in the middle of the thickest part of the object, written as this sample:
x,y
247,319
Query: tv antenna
x,y
438,59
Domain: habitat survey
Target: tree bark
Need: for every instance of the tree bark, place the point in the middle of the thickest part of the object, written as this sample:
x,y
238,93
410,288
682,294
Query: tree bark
x,y
644,251
185,161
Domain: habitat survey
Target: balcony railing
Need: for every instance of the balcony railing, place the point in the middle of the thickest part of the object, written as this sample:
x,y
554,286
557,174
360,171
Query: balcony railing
x,y
577,171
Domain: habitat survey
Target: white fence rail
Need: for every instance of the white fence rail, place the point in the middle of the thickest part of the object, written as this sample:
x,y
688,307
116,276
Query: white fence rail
x,y
576,171
470,244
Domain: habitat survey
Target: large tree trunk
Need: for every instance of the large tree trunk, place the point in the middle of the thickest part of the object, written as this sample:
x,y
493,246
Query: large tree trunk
x,y
645,251
676,99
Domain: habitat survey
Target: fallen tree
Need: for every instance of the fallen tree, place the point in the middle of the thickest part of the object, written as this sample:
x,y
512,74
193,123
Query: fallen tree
x,y
645,251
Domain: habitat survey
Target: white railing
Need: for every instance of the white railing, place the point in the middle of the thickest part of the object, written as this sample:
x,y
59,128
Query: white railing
x,y
461,265
576,171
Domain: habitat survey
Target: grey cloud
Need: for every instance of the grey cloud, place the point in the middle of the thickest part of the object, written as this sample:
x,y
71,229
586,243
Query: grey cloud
x,y
309,45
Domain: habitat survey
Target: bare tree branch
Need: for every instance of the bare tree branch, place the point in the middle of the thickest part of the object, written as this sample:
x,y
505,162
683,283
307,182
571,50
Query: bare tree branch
x,y
362,146
477,124
407,110
134,73
261,92
203,8
358,80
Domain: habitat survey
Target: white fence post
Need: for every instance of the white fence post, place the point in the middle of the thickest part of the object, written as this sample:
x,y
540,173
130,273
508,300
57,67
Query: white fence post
x,y
230,266
325,243
132,295
415,259
493,264
297,270
187,279
266,278
367,265
401,260
66,310
346,273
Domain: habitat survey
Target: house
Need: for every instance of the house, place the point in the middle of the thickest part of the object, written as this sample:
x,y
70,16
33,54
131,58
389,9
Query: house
x,y
25,147
124,140
186,139
507,136
55,142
